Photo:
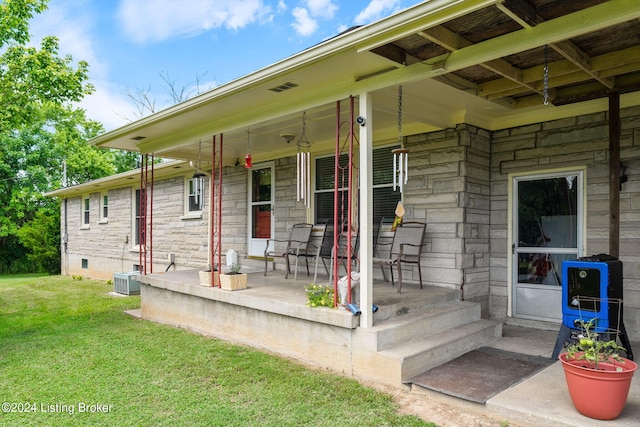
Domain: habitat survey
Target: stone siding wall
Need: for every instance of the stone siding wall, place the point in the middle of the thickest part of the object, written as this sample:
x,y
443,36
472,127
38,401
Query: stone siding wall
x,y
458,185
581,142
449,188
108,247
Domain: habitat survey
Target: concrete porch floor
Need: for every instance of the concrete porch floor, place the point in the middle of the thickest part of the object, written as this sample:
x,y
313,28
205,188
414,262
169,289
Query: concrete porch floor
x,y
275,293
540,400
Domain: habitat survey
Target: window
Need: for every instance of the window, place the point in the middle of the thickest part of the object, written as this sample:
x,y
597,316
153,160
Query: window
x,y
86,211
195,194
325,182
385,198
104,207
85,263
139,220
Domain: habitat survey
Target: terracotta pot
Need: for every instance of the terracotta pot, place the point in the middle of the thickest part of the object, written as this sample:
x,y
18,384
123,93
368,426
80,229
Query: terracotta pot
x,y
598,393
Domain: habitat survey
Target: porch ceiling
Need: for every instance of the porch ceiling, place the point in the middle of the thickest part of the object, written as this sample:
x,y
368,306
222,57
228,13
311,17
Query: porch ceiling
x,y
474,61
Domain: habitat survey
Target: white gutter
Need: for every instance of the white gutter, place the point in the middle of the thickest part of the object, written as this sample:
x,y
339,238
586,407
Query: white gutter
x,y
162,170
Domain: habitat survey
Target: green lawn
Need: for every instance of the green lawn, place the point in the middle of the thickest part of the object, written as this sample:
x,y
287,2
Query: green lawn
x,y
70,356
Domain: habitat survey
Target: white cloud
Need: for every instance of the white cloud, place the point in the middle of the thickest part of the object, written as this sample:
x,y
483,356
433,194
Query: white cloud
x,y
146,21
109,105
70,22
376,10
304,24
322,8
306,19
282,6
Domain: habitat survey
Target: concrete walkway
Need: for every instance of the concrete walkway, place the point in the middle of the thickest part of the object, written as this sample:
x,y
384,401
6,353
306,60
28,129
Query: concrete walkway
x,y
543,399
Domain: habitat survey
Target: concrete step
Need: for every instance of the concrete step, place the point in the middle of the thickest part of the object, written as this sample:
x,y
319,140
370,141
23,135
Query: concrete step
x,y
393,305
430,321
420,355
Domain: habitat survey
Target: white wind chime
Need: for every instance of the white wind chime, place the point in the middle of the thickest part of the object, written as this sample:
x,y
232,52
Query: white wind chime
x,y
303,163
198,180
400,155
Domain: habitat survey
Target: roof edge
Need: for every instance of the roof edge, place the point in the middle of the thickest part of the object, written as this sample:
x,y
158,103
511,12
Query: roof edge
x,y
402,21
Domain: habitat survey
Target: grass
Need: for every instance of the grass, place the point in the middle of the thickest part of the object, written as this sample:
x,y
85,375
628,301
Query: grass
x,y
66,345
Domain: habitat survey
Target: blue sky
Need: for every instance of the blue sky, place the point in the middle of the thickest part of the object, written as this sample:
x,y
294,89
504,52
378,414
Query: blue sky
x,y
130,43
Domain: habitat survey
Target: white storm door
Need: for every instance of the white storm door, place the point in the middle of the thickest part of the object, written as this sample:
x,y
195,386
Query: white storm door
x,y
261,197
547,229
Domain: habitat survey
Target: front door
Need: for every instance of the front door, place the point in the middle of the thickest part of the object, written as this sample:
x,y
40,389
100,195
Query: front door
x,y
547,228
261,186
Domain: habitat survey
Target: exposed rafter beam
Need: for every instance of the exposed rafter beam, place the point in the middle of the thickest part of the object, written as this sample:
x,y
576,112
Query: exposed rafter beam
x,y
568,26
435,13
523,12
585,92
582,60
452,42
565,72
565,27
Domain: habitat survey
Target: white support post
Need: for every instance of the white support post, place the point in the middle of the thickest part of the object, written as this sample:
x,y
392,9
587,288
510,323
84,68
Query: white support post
x,y
366,210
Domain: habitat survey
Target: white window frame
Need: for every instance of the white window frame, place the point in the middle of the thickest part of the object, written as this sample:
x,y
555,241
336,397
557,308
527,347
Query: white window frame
x,y
388,147
135,197
104,205
85,212
188,195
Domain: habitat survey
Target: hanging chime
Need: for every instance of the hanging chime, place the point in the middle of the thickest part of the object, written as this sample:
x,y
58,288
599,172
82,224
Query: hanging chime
x,y
198,179
400,155
247,157
303,161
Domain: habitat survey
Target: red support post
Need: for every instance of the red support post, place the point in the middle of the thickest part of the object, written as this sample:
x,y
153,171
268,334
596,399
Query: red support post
x,y
140,215
151,219
219,243
350,197
215,210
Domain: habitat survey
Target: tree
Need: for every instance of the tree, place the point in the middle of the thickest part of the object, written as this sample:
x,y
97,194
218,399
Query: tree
x,y
39,130
145,103
31,77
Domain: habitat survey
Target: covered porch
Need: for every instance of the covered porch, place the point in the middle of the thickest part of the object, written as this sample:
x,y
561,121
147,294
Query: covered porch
x,y
456,83
411,333
478,91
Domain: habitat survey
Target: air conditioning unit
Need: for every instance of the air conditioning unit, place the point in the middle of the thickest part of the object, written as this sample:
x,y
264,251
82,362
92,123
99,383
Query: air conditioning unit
x,y
124,283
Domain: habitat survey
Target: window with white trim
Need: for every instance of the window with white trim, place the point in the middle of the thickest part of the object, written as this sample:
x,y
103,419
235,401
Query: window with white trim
x,y
86,211
385,199
104,207
138,220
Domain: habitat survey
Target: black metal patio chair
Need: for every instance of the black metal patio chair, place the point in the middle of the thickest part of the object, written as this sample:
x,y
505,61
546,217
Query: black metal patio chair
x,y
405,248
327,250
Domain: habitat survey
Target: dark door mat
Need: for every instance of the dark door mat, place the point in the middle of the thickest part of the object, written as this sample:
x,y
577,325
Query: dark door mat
x,y
480,374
